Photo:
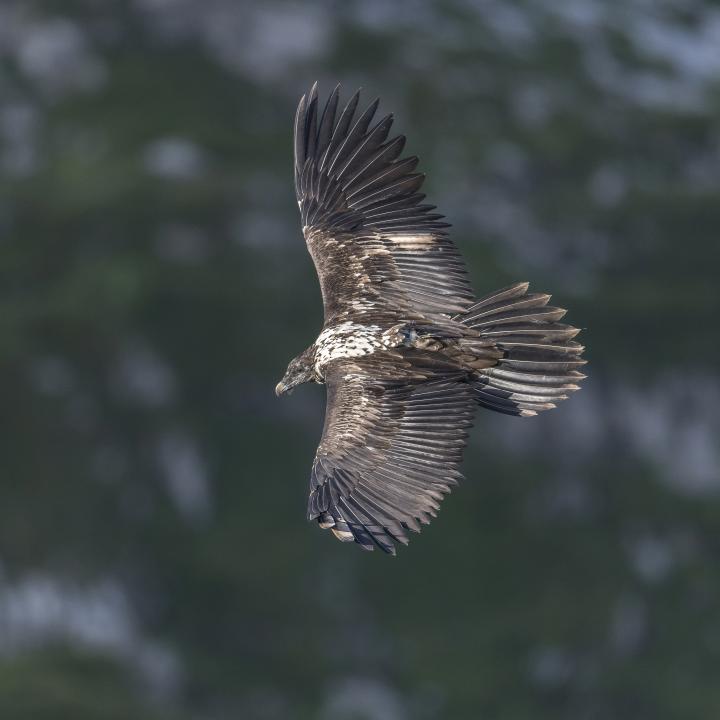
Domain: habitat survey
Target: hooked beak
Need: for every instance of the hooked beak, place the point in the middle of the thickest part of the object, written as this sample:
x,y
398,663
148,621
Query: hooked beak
x,y
281,388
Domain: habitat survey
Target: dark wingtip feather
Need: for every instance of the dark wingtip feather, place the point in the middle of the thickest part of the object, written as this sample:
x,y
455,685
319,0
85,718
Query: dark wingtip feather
x,y
298,135
327,121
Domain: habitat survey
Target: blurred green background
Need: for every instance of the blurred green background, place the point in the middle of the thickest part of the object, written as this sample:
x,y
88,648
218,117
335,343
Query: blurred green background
x,y
155,561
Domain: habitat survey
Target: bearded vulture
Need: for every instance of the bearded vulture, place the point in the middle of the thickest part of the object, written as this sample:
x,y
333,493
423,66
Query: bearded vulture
x,y
406,351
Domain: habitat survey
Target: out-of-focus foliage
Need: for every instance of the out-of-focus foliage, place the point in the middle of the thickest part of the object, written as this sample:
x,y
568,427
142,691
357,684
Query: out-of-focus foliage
x,y
155,562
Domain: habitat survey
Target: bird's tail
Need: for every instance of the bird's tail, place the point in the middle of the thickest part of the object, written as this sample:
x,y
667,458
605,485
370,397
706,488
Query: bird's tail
x,y
540,360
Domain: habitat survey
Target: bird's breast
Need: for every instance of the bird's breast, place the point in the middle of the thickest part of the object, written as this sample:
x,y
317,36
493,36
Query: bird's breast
x,y
347,340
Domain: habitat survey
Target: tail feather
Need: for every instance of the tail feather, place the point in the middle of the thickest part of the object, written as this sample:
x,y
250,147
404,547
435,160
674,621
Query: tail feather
x,y
557,331
516,290
531,300
539,359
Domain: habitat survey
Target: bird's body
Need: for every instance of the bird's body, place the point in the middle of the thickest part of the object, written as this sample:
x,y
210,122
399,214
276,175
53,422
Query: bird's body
x,y
406,351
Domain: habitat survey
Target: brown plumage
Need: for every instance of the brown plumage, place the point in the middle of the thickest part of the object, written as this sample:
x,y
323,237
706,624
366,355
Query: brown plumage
x,y
406,351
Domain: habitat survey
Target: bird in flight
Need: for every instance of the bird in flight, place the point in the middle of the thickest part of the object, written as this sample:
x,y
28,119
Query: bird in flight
x,y
406,351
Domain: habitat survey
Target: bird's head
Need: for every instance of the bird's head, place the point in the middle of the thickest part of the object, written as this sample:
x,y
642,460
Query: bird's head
x,y
300,370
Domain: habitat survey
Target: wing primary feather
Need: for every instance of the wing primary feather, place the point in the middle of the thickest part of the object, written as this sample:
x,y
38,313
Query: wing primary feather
x,y
397,169
299,138
368,145
327,122
358,130
406,185
340,131
311,123
386,153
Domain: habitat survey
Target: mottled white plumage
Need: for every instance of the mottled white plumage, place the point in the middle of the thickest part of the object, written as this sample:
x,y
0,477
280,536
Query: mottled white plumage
x,y
346,340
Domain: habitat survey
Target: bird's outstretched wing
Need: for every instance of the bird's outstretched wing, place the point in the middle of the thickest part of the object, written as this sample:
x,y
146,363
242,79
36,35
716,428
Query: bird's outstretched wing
x,y
395,428
375,245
